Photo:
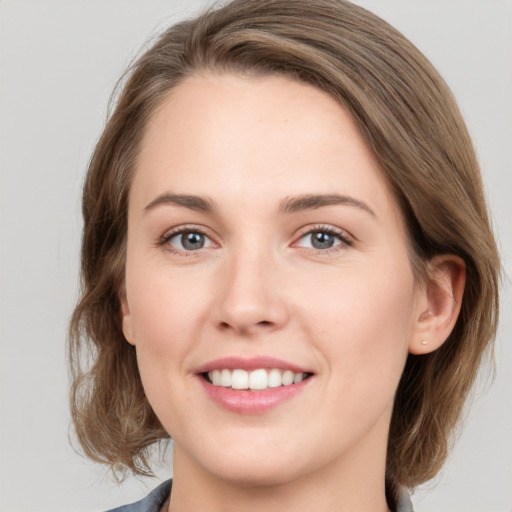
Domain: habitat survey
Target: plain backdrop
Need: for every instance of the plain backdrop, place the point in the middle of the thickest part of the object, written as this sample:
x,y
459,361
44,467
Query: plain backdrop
x,y
59,60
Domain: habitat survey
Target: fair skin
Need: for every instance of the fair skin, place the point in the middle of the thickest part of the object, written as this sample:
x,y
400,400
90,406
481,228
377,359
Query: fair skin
x,y
227,257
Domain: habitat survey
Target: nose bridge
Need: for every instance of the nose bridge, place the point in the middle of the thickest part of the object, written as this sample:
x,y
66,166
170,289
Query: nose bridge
x,y
250,298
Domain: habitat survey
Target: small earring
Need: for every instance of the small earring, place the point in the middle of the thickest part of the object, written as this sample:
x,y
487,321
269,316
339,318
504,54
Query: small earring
x,y
424,342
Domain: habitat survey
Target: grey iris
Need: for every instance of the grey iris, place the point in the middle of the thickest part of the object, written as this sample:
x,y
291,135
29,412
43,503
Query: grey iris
x,y
322,240
192,241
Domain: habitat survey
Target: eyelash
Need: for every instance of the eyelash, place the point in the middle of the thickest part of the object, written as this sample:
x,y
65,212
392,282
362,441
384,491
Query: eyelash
x,y
345,240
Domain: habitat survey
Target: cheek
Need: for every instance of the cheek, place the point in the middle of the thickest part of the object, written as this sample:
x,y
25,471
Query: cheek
x,y
168,309
363,322
164,306
165,325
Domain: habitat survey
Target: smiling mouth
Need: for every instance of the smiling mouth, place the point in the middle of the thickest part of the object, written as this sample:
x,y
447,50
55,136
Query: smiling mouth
x,y
255,380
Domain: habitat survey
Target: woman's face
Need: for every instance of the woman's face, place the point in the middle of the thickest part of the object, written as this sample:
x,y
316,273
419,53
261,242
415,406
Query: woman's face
x,y
265,246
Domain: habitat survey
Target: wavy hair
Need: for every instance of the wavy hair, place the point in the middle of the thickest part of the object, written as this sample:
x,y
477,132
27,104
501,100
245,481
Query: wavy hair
x,y
409,119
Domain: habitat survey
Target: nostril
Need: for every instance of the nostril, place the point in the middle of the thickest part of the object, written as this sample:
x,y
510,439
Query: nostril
x,y
224,326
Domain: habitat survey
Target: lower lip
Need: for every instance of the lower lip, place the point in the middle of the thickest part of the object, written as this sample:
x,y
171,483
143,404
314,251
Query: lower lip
x,y
252,402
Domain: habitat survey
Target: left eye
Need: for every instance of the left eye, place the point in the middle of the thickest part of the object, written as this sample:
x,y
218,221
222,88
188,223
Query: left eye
x,y
189,241
320,239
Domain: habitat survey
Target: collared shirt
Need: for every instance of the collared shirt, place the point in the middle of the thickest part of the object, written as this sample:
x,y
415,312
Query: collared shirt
x,y
154,501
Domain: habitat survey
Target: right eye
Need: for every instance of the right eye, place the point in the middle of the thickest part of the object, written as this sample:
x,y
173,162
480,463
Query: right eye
x,y
188,240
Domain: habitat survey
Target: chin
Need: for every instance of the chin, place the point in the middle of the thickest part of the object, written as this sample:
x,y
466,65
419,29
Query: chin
x,y
267,475
258,466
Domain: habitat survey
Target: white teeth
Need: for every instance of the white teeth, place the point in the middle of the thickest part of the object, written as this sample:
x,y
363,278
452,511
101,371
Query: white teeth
x,y
287,378
225,378
258,379
216,377
298,377
274,378
255,380
239,379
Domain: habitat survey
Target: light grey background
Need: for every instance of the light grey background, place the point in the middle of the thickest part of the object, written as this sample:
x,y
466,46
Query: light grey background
x,y
59,61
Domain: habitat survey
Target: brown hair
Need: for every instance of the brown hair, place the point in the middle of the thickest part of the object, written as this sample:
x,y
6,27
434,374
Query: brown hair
x,y
409,118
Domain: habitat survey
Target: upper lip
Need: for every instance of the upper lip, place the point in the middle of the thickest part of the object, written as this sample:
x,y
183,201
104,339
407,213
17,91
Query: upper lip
x,y
249,363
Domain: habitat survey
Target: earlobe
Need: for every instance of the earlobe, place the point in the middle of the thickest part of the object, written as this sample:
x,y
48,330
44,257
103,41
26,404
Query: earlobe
x,y
126,319
441,305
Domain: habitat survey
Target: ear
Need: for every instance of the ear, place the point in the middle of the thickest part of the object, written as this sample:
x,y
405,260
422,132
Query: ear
x,y
440,303
126,319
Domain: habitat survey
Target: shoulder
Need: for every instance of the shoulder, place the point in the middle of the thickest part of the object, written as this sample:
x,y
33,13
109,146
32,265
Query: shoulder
x,y
404,503
151,503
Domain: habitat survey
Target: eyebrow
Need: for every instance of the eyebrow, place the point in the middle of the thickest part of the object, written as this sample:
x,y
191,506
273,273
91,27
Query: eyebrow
x,y
288,205
314,201
196,203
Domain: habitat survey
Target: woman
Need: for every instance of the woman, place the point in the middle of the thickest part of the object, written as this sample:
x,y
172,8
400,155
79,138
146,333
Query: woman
x,y
287,264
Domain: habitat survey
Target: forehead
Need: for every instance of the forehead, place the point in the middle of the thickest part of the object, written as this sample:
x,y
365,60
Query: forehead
x,y
260,137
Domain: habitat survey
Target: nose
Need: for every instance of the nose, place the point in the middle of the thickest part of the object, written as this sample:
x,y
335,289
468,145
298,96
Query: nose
x,y
251,295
